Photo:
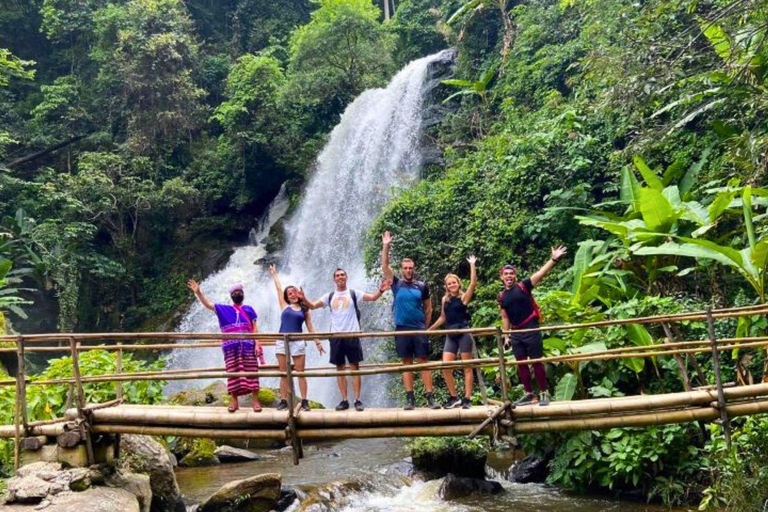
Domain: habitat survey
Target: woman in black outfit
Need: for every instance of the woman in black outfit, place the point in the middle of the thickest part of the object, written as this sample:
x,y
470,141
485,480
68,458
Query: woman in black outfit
x,y
453,313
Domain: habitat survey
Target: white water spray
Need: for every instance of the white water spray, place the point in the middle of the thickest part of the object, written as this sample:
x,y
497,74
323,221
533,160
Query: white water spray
x,y
374,149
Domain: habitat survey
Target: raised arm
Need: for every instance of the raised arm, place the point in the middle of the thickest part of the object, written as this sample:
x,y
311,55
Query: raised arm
x,y
441,319
195,287
316,304
386,241
278,287
557,253
467,296
385,285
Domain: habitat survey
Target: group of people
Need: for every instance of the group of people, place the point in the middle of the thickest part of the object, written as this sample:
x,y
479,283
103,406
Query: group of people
x,y
412,307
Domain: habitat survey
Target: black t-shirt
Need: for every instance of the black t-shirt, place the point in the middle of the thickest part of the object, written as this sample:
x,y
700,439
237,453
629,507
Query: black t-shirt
x,y
518,304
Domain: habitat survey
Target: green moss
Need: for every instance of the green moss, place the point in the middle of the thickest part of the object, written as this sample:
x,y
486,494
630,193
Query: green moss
x,y
442,455
267,396
201,454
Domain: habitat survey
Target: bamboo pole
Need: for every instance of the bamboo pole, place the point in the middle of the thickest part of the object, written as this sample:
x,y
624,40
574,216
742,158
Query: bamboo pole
x,y
188,432
479,371
81,412
502,367
8,431
493,417
17,412
119,371
678,359
291,427
725,423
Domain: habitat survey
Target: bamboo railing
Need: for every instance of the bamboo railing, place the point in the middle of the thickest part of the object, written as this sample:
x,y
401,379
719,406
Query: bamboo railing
x,y
719,403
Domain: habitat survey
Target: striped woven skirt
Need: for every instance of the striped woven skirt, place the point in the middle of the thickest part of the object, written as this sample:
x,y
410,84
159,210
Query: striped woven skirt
x,y
239,356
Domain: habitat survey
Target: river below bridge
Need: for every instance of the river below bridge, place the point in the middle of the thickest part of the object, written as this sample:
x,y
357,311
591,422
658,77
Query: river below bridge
x,y
350,476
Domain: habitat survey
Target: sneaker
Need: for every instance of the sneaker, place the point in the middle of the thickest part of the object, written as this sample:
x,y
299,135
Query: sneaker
x,y
431,404
453,401
343,406
359,406
544,398
410,402
283,405
305,405
527,399
466,403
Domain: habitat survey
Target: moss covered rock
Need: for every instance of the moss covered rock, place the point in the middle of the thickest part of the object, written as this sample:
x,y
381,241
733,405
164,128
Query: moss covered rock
x,y
439,456
203,453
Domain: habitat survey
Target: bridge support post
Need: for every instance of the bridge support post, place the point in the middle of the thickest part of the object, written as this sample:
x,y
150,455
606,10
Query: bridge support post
x,y
295,440
725,422
118,371
20,414
502,366
85,430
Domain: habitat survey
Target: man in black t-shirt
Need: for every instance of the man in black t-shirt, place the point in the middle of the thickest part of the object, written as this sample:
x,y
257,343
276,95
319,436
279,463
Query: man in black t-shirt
x,y
520,311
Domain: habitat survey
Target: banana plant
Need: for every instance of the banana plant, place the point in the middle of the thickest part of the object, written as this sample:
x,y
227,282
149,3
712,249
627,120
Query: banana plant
x,y
478,87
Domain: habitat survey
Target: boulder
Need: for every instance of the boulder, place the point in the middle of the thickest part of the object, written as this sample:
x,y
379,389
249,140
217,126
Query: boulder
x,y
202,454
287,496
454,487
135,483
27,489
230,454
437,457
96,499
144,455
255,494
40,480
530,469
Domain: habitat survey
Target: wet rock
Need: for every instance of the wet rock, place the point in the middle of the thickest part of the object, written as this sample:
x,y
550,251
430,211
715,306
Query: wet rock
x,y
454,487
287,496
202,454
403,469
142,454
330,496
531,469
438,457
255,494
230,454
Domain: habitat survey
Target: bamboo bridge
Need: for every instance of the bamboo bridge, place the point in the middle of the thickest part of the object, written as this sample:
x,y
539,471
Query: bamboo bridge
x,y
83,422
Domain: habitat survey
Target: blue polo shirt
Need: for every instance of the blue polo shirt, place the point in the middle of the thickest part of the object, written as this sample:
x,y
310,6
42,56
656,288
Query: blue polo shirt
x,y
408,303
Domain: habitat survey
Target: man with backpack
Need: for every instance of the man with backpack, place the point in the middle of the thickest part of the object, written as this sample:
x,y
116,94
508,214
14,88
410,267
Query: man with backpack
x,y
520,311
413,312
345,317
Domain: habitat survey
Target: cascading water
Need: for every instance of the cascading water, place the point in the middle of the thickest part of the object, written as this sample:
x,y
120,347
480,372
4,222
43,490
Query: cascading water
x,y
375,148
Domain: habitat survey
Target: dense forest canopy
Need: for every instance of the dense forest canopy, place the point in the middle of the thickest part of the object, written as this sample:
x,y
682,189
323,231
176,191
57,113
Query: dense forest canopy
x,y
140,137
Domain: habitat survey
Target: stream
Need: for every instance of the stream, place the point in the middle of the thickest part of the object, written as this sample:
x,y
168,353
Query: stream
x,y
352,475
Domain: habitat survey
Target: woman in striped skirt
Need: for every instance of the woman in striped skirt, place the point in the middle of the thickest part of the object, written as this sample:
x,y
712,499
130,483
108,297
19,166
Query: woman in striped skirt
x,y
239,355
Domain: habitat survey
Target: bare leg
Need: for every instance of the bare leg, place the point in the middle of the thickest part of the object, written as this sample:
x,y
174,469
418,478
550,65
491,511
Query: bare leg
x,y
342,382
448,374
233,404
468,376
356,381
408,376
298,364
426,375
283,380
256,403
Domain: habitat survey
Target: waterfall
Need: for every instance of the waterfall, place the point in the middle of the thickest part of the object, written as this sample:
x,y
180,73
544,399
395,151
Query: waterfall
x,y
375,149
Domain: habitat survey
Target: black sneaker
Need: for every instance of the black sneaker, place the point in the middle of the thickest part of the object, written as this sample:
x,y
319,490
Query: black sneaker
x,y
283,405
343,406
431,404
453,401
527,399
359,406
466,403
410,402
305,405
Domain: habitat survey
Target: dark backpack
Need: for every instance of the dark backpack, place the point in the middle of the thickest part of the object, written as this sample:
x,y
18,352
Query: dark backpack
x,y
536,313
354,301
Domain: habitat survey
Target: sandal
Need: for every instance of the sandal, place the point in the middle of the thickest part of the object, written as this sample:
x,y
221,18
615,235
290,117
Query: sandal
x,y
233,407
257,407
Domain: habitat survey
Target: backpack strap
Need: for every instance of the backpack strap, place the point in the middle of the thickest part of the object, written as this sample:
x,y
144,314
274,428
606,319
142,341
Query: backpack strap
x,y
330,298
354,302
536,313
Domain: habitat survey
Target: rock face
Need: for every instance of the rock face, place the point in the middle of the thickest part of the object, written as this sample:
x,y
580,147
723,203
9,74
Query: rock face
x,y
230,454
142,454
41,480
255,494
530,469
454,487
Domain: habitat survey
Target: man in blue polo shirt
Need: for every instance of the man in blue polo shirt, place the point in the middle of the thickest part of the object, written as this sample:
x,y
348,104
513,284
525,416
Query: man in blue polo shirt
x,y
413,311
